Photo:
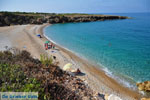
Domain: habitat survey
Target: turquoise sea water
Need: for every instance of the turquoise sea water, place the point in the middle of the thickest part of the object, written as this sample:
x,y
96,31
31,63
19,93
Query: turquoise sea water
x,y
121,47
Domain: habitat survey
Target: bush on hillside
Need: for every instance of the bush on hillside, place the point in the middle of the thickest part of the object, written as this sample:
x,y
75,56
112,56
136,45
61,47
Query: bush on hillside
x,y
13,77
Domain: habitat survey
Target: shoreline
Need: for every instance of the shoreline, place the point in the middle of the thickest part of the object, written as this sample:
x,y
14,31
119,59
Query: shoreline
x,y
125,83
94,77
100,72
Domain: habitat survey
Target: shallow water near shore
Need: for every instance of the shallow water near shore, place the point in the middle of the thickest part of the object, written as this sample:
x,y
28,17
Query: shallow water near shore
x,y
120,47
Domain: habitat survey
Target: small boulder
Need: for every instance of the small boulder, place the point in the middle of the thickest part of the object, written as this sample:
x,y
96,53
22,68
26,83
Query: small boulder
x,y
144,86
145,99
106,96
39,21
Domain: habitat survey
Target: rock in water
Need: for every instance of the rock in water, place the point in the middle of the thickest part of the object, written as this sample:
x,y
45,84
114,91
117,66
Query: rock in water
x,y
144,86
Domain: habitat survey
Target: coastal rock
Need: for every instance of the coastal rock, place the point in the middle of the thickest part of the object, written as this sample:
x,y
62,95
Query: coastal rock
x,y
1,24
39,21
33,21
106,96
11,18
144,86
7,20
145,99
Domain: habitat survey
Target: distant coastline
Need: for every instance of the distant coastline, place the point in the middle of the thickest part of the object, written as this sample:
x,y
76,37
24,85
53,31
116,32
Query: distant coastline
x,y
22,18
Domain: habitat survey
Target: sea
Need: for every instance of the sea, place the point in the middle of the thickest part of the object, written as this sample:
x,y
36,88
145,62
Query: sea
x,y
119,47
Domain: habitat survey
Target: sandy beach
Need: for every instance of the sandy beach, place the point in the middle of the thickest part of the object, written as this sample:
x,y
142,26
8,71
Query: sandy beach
x,y
24,37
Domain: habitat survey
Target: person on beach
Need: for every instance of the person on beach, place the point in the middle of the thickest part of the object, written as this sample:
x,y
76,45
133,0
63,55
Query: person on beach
x,y
53,46
46,46
49,46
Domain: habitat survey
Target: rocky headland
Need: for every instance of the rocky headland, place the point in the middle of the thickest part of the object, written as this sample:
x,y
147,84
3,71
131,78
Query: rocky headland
x,y
19,18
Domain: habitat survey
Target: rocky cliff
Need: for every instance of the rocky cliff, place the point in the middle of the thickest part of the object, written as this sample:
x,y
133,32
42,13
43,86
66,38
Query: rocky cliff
x,y
10,18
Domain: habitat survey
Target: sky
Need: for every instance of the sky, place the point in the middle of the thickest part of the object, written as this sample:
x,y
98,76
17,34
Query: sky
x,y
76,6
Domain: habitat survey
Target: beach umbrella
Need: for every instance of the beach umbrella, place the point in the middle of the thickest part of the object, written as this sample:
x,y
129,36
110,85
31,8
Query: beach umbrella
x,y
46,41
38,35
67,67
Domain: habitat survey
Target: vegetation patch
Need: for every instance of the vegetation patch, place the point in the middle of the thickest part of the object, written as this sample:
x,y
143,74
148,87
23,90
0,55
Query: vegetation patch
x,y
19,72
13,77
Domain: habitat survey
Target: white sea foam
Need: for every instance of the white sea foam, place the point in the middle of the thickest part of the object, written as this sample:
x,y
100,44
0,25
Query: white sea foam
x,y
122,80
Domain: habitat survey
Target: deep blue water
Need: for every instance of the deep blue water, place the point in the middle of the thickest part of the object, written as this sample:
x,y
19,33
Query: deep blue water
x,y
121,47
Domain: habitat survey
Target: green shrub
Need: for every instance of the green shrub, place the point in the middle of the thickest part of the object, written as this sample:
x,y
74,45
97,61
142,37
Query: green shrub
x,y
13,79
45,60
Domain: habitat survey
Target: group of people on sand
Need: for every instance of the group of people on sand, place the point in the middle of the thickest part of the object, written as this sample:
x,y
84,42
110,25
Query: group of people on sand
x,y
49,46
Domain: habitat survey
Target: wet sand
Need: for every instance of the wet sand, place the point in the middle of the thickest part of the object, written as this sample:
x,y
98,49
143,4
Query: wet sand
x,y
24,37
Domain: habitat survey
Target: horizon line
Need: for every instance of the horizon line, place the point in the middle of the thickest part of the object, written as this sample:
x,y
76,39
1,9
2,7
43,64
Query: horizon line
x,y
71,12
